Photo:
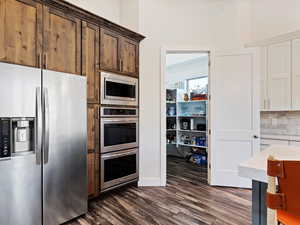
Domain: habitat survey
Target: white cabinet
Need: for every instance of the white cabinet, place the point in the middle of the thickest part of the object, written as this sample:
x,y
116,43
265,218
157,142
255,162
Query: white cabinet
x,y
294,143
296,74
279,76
280,80
263,79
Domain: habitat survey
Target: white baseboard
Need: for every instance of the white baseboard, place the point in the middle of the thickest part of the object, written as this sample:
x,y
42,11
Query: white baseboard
x,y
150,182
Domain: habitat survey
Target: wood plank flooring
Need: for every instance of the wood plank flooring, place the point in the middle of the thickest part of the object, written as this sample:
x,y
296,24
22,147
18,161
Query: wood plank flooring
x,y
187,200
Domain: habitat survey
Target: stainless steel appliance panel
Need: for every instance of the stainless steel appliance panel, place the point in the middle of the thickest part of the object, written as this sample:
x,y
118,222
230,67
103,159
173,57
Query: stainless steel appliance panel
x,y
119,89
18,90
65,148
20,176
118,112
118,134
118,168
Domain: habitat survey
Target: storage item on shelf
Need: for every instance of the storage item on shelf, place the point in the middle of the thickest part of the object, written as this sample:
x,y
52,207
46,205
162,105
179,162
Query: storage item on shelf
x,y
171,111
195,96
199,159
201,127
171,138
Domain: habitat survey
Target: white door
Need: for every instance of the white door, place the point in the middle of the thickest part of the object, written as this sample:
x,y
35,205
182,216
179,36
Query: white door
x,y
234,112
279,76
296,74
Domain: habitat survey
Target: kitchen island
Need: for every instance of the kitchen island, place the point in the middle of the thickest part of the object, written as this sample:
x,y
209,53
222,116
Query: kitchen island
x,y
256,169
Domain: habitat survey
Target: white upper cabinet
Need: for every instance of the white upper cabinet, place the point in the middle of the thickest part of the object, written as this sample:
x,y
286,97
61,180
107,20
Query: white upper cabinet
x,y
296,74
263,80
279,76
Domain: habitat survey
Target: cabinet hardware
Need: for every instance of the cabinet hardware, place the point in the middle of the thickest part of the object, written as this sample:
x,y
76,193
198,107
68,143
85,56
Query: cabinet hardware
x,y
45,61
121,65
39,61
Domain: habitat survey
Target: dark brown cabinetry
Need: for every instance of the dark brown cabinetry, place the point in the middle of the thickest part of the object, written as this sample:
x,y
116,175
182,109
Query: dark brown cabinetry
x,y
21,32
129,57
90,60
62,42
59,36
110,50
93,150
118,54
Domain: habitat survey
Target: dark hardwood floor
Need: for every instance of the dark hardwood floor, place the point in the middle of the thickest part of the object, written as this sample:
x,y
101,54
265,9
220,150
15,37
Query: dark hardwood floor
x,y
186,200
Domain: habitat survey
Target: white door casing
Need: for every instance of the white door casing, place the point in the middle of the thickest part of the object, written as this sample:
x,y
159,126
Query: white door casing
x,y
234,114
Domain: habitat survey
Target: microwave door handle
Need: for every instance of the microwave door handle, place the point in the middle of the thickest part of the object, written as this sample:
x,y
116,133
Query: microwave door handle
x,y
46,126
39,126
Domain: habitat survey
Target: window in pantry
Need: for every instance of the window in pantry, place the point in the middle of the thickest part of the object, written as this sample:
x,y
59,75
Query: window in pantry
x,y
200,84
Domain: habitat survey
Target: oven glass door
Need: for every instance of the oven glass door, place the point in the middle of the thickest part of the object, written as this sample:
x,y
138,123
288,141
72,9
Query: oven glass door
x,y
117,90
118,168
118,134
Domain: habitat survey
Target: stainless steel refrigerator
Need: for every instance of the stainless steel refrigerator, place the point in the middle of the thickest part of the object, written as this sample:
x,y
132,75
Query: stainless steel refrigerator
x,y
43,171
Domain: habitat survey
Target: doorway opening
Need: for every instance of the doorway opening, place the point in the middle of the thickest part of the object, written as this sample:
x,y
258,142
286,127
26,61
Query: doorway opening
x,y
186,106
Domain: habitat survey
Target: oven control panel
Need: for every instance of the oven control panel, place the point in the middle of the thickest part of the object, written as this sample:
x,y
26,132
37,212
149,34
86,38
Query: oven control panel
x,y
5,134
118,112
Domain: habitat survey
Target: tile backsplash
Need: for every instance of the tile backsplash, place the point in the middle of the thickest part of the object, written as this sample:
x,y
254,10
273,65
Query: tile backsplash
x,y
280,123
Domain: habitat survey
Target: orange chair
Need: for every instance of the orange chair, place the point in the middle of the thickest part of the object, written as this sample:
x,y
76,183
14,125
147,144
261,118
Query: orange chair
x,y
286,199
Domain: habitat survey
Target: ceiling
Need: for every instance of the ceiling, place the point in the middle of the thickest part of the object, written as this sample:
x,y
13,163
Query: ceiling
x,y
177,58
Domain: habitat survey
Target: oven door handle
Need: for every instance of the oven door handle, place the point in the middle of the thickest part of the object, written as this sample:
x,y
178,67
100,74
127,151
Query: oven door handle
x,y
117,120
114,155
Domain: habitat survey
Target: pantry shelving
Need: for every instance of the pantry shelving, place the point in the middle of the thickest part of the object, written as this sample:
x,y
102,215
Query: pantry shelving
x,y
186,122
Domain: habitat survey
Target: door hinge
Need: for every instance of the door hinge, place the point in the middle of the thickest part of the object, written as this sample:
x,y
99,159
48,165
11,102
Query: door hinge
x,y
209,97
209,166
209,63
209,131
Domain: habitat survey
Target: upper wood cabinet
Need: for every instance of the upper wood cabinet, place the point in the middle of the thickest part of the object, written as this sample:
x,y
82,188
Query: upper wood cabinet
x,y
118,54
90,60
62,42
20,32
109,50
129,57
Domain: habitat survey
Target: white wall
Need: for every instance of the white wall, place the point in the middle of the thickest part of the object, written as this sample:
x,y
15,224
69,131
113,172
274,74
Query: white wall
x,y
215,24
273,17
108,9
129,16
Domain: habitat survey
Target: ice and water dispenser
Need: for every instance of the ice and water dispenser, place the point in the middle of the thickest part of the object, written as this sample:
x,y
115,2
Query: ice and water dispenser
x,y
17,136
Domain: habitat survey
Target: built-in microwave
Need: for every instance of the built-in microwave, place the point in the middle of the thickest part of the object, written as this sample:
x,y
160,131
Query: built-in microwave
x,y
119,168
118,129
118,90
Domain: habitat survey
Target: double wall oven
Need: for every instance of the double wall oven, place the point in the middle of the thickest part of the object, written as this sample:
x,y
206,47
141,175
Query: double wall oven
x,y
119,131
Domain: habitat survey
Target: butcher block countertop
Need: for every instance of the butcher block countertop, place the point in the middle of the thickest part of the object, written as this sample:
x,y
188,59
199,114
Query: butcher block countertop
x,y
256,167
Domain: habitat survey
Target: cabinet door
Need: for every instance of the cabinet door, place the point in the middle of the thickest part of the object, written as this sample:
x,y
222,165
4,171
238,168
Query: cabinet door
x,y
109,51
20,32
263,80
62,42
90,60
93,151
130,57
296,74
91,174
279,76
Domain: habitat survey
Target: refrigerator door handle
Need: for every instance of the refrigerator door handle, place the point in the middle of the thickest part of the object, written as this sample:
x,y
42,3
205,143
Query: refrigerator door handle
x,y
46,125
39,126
